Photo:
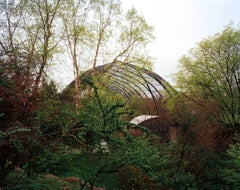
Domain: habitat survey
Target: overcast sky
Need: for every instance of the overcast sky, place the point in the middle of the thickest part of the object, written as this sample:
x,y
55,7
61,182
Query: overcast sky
x,y
180,24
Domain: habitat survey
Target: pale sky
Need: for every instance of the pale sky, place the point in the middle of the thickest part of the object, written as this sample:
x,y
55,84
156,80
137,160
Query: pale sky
x,y
180,24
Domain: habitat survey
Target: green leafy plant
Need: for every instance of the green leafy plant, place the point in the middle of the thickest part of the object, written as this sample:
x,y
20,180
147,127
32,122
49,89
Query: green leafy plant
x,y
231,170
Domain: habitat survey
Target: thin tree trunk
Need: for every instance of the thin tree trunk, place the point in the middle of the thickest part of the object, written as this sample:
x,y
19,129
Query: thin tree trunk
x,y
77,78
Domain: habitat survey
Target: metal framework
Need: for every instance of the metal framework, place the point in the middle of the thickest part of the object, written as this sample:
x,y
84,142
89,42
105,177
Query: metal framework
x,y
131,81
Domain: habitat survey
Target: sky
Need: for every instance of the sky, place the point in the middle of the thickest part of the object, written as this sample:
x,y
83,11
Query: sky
x,y
180,24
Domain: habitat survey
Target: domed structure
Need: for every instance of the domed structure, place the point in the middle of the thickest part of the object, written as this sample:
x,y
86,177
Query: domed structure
x,y
130,81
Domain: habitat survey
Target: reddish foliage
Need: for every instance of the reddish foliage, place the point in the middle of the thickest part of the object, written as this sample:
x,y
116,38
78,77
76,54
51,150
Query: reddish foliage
x,y
135,132
196,121
17,105
19,145
72,179
18,101
132,177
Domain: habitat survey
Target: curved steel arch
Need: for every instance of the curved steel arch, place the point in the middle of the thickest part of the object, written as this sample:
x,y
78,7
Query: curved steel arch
x,y
129,81
145,83
131,78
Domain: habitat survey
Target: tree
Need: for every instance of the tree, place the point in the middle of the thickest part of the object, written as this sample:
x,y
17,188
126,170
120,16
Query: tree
x,y
20,141
29,28
133,40
98,32
212,71
11,17
45,14
106,14
74,18
231,171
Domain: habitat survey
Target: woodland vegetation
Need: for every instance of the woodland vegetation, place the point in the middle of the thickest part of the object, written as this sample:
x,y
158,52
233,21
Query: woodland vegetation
x,y
48,141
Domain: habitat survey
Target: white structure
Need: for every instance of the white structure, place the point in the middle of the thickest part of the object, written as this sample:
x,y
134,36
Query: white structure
x,y
141,118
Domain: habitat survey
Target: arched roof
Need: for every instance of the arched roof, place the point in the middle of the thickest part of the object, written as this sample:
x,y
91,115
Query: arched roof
x,y
141,118
131,80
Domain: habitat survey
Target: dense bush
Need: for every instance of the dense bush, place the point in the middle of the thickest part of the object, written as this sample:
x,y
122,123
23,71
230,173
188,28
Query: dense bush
x,y
231,171
20,140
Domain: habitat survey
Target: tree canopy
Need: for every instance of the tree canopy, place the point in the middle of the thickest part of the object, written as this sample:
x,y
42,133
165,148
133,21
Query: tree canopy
x,y
211,70
90,32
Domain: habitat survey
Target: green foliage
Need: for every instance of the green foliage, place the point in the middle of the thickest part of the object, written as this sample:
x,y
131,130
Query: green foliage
x,y
101,118
33,118
38,183
19,146
54,118
19,139
211,71
173,169
48,162
40,131
231,171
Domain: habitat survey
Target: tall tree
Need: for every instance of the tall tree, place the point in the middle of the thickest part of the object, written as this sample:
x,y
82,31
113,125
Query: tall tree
x,y
212,70
98,32
105,16
29,27
11,16
119,36
45,13
133,39
74,18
